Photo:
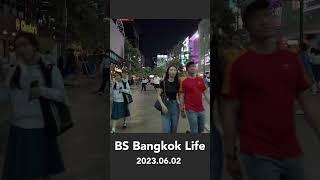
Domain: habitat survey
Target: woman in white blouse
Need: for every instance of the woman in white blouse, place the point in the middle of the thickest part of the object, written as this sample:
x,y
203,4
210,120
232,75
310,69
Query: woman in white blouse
x,y
120,107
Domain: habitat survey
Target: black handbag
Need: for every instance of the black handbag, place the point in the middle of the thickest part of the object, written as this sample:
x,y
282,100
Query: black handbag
x,y
57,115
164,99
127,97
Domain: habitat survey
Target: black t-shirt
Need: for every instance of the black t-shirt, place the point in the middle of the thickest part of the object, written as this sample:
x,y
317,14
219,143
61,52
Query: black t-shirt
x,y
172,88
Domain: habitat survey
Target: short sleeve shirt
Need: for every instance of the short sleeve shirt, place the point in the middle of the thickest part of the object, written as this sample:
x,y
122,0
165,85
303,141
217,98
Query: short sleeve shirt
x,y
266,87
193,89
171,89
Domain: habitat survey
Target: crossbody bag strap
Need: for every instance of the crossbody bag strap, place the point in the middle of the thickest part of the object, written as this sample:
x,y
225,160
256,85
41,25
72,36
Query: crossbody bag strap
x,y
164,89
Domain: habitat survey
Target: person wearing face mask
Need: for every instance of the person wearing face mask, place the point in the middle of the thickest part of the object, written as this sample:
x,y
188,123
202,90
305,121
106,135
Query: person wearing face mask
x,y
170,110
32,152
120,108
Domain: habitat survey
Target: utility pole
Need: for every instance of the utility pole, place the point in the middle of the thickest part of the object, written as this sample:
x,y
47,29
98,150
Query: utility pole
x,y
65,25
301,22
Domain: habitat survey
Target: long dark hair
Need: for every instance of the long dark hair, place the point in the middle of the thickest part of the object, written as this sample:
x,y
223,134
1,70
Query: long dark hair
x,y
15,79
176,78
30,37
115,84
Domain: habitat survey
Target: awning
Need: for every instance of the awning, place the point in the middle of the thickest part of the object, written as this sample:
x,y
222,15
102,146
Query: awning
x,y
115,58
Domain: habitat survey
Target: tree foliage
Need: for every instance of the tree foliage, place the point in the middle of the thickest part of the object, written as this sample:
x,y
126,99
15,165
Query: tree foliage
x,y
134,56
84,24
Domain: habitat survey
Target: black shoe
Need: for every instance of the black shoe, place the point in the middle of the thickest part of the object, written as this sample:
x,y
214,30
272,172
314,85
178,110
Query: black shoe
x,y
124,126
188,132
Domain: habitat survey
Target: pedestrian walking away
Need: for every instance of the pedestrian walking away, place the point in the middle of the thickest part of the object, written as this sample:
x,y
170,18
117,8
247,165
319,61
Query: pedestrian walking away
x,y
120,108
104,68
156,82
193,88
168,89
144,84
315,61
32,152
259,107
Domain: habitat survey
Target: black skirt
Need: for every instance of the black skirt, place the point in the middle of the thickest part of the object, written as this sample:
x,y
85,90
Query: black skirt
x,y
31,154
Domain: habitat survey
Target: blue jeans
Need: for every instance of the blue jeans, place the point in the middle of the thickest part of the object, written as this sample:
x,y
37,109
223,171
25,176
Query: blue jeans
x,y
265,168
170,120
196,121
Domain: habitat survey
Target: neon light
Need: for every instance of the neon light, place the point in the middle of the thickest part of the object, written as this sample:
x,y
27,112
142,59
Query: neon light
x,y
195,36
126,20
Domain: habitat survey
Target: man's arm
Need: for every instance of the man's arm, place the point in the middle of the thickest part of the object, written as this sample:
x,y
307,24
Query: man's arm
x,y
230,117
181,95
181,101
206,94
311,112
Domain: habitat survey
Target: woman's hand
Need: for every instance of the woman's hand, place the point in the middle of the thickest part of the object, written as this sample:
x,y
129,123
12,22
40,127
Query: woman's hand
x,y
164,109
183,113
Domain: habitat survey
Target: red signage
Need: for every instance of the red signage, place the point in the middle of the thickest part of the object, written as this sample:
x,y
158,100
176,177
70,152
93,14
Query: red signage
x,y
126,20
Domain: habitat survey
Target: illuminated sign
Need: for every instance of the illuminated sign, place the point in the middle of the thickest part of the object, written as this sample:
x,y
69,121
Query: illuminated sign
x,y
195,36
21,25
126,20
186,42
162,56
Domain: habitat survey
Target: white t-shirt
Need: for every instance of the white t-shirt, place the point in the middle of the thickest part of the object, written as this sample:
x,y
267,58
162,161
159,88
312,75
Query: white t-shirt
x,y
145,81
117,93
156,80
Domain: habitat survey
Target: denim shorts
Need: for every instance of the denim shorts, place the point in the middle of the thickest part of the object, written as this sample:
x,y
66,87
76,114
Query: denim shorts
x,y
265,168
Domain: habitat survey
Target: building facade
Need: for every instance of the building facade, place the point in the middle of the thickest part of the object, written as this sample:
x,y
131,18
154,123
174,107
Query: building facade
x,y
162,60
33,16
204,45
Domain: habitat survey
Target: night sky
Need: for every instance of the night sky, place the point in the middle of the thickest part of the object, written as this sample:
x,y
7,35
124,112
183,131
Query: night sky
x,y
158,36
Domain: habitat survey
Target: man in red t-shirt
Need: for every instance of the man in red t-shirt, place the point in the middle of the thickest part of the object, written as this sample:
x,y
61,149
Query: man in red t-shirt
x,y
259,90
192,90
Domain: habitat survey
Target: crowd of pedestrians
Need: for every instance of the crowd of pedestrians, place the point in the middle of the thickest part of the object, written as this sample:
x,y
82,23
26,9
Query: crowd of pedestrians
x,y
177,96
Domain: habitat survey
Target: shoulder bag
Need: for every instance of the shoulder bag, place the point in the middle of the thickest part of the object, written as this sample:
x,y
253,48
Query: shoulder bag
x,y
127,97
164,98
57,115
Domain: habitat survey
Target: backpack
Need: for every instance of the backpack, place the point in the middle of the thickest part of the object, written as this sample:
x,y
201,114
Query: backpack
x,y
56,115
127,97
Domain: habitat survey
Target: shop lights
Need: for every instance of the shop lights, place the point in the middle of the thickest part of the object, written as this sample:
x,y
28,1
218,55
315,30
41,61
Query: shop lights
x,y
195,36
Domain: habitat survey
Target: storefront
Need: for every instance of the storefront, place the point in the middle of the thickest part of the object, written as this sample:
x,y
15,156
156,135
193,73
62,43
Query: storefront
x,y
7,34
11,26
204,45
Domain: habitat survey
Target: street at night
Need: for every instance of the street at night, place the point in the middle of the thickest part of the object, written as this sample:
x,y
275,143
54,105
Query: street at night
x,y
79,86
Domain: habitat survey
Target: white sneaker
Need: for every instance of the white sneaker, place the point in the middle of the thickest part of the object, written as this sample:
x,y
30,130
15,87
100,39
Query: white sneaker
x,y
113,131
